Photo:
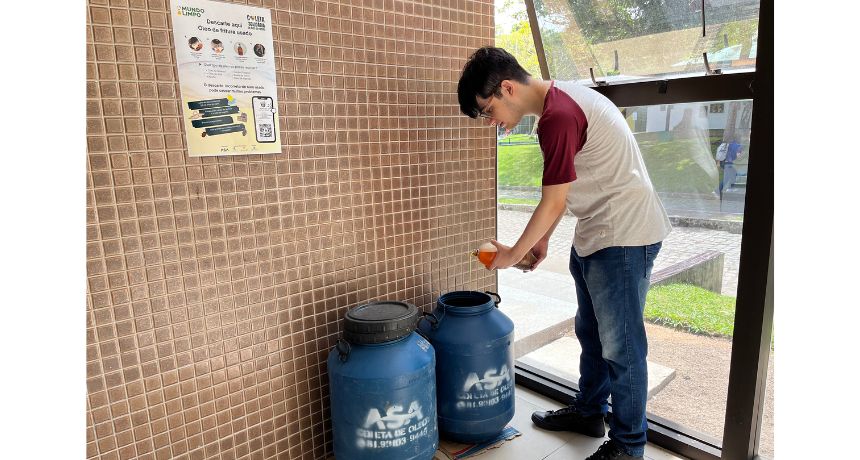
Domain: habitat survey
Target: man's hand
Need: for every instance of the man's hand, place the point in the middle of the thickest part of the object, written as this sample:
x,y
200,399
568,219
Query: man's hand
x,y
539,250
505,256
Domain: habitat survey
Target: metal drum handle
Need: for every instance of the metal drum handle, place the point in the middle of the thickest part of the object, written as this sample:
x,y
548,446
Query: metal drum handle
x,y
431,318
343,349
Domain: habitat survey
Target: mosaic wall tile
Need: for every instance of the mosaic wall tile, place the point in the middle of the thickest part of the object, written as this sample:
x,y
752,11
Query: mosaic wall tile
x,y
216,286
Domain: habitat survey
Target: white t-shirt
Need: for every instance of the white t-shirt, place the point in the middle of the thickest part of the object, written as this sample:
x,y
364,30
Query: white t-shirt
x,y
586,141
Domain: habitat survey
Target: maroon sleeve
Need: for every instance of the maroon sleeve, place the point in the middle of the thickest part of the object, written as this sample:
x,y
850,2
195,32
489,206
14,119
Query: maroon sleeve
x,y
561,135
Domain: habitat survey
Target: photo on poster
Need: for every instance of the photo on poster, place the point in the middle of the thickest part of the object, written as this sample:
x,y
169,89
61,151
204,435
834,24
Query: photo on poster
x,y
226,78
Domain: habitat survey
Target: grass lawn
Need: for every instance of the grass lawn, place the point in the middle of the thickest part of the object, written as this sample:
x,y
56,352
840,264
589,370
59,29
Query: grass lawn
x,y
691,309
530,201
520,164
675,165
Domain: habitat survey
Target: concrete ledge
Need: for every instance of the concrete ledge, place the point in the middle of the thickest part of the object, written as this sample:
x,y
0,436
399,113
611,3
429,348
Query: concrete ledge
x,y
517,207
538,319
704,270
520,188
540,338
731,226
561,358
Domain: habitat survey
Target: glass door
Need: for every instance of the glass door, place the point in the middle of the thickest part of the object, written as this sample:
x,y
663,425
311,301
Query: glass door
x,y
697,150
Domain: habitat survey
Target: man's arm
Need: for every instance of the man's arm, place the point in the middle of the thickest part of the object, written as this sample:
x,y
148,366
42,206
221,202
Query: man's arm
x,y
551,230
541,248
541,225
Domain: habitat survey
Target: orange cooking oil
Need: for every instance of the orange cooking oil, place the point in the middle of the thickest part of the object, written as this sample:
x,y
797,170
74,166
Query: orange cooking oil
x,y
486,253
486,257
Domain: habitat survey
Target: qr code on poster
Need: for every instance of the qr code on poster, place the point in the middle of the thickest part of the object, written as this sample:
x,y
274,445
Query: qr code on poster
x,y
265,130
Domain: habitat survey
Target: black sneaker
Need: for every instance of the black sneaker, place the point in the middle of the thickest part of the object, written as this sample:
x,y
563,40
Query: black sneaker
x,y
568,419
612,451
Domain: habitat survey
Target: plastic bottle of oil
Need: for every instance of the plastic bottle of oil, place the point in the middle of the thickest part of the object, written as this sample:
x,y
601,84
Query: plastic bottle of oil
x,y
487,252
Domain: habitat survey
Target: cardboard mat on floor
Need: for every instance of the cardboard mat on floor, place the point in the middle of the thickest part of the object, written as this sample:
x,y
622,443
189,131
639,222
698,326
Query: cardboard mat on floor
x,y
455,451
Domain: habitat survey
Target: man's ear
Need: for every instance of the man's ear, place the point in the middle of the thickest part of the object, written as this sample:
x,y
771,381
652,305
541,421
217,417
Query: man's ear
x,y
507,88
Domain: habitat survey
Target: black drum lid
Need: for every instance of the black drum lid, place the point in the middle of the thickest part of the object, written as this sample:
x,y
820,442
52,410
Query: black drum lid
x,y
378,322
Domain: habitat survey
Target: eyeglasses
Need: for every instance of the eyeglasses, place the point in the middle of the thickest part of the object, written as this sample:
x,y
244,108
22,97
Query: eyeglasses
x,y
483,112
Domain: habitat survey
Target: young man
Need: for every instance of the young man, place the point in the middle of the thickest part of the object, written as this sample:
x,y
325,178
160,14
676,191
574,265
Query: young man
x,y
593,167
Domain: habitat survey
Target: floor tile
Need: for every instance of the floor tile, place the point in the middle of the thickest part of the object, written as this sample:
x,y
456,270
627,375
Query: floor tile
x,y
533,443
577,448
537,444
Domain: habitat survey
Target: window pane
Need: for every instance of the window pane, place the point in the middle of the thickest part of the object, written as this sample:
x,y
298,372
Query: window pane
x,y
681,147
644,39
690,313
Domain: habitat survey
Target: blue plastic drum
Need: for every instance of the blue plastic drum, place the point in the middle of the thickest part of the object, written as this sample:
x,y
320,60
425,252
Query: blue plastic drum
x,y
474,365
382,382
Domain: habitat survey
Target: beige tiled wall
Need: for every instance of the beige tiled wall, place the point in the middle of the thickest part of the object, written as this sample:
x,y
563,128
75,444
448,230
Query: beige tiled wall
x,y
216,286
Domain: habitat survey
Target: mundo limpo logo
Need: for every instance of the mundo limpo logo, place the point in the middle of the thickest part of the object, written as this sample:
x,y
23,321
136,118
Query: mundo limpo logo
x,y
189,11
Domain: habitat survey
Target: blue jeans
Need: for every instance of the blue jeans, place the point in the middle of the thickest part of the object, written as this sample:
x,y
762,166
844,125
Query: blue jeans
x,y
611,285
729,175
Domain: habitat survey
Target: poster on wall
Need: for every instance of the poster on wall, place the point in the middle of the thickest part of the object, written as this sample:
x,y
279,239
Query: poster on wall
x,y
224,55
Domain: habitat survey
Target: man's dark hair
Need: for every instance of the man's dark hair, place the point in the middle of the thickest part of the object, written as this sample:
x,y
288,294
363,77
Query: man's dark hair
x,y
482,75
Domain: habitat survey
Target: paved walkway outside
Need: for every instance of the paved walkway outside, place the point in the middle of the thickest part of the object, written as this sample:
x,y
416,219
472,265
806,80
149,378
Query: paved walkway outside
x,y
681,244
708,206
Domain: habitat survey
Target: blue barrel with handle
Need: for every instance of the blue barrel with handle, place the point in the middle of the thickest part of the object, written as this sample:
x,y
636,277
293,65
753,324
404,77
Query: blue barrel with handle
x,y
382,381
474,344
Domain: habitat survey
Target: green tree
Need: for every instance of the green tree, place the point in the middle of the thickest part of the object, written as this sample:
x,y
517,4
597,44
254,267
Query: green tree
x,y
520,43
517,39
607,20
